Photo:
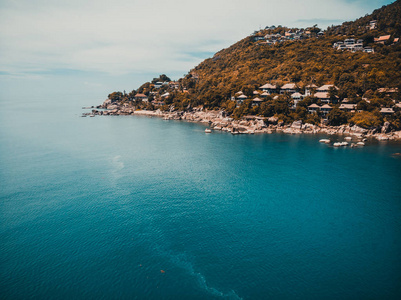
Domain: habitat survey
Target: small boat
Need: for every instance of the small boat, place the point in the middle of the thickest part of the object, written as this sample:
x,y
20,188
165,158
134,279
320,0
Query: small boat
x,y
326,141
208,130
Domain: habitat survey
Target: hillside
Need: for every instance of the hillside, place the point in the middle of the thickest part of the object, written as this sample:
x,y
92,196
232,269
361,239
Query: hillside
x,y
368,76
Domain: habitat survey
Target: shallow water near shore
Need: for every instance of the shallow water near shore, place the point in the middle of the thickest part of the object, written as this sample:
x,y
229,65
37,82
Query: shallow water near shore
x,y
133,207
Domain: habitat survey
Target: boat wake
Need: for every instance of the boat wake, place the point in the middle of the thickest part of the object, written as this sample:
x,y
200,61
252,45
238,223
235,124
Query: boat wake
x,y
182,261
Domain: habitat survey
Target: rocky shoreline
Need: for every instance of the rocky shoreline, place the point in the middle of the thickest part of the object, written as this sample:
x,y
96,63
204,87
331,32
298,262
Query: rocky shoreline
x,y
217,120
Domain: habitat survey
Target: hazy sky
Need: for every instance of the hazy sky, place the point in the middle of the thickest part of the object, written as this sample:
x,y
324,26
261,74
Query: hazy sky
x,y
40,38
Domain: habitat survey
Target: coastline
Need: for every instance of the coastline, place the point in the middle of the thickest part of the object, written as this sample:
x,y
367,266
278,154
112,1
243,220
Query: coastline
x,y
217,120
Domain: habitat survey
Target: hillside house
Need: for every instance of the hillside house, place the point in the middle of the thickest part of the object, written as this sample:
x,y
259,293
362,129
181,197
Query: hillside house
x,y
141,97
309,89
241,99
289,88
322,96
386,111
296,97
326,88
256,101
368,50
313,108
326,109
348,107
269,88
356,47
372,24
258,38
174,84
158,85
382,39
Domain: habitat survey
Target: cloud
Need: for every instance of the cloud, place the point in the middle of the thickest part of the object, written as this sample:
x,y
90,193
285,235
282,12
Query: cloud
x,y
150,36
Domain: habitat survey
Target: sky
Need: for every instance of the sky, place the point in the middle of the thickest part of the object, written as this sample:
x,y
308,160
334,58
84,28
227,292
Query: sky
x,y
120,44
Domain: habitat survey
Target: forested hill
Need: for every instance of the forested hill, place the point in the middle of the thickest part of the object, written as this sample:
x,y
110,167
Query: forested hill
x,y
249,64
302,56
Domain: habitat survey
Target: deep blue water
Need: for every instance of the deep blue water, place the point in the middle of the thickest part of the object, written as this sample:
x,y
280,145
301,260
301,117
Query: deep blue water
x,y
96,208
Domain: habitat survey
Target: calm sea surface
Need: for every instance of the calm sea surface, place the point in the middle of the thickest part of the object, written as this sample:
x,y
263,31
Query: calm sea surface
x,y
142,208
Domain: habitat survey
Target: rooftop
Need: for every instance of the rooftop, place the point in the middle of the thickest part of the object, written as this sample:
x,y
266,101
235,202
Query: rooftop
x,y
289,86
268,86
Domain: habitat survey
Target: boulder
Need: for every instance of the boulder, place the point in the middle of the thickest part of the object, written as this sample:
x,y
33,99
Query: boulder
x,y
297,124
386,127
272,120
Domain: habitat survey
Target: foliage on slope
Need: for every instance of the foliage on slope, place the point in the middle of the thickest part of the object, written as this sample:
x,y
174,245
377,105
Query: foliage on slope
x,y
248,64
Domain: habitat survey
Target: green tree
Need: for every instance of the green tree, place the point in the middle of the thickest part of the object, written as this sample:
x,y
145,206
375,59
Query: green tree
x,y
366,119
337,117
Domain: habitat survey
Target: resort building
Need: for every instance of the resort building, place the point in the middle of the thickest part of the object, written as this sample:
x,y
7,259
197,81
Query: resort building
x,y
269,88
326,88
309,89
326,109
382,39
348,107
241,99
141,97
256,101
288,88
313,108
386,111
296,97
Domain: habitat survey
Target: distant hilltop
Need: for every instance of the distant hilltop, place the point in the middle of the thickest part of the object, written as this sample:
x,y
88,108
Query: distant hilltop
x,y
348,73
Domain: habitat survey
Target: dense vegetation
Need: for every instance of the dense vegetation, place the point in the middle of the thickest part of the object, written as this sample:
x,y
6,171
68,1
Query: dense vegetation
x,y
248,64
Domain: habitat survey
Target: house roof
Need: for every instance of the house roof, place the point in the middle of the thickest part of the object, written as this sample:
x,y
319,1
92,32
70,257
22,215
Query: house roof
x,y
322,95
265,94
396,40
311,86
255,92
326,106
268,86
387,90
141,96
289,86
348,106
383,38
296,95
314,105
242,97
326,87
257,100
387,110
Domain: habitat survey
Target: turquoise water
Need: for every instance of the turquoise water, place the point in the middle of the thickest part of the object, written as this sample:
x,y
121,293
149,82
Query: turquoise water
x,y
142,208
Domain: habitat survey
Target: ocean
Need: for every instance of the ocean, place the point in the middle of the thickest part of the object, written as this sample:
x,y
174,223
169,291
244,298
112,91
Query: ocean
x,y
133,207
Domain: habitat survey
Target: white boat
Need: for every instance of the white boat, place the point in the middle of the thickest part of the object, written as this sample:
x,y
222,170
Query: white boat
x,y
326,141
208,130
